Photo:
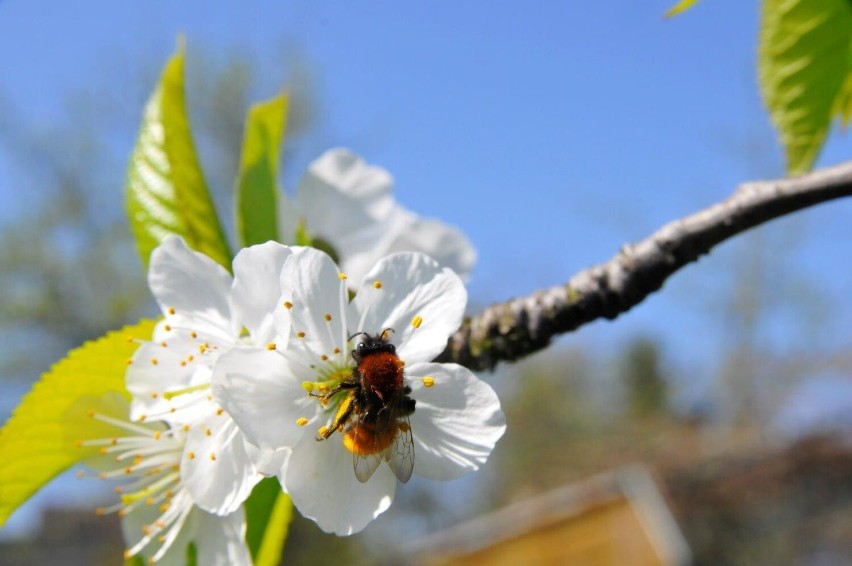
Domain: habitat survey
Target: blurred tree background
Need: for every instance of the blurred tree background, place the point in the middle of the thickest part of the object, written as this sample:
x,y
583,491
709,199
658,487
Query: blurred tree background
x,y
69,273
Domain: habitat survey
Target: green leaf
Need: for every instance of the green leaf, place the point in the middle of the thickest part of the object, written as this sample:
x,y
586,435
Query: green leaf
x,y
166,192
257,190
804,61
268,513
679,8
34,445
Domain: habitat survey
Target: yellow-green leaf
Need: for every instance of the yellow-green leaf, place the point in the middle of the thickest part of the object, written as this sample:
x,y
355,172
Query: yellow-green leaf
x,y
166,192
804,61
257,189
268,514
680,7
34,446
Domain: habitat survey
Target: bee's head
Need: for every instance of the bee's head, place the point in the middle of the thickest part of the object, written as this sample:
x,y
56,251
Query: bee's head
x,y
371,344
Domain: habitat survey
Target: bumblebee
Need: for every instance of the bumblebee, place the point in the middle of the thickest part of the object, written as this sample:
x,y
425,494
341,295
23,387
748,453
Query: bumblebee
x,y
374,415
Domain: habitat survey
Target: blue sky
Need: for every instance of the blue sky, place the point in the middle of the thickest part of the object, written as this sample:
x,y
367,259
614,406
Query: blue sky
x,y
550,133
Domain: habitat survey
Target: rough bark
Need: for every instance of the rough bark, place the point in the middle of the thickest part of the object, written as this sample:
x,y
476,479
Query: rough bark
x,y
518,327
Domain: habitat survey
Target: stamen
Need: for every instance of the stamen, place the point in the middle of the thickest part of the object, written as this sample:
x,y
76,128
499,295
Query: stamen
x,y
288,305
171,310
377,284
327,317
341,276
428,381
417,321
302,421
271,346
169,395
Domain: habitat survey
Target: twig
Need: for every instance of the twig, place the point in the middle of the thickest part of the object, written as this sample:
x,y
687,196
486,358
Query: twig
x,y
508,331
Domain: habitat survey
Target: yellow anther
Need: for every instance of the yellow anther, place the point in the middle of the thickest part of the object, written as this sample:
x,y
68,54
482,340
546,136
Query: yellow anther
x,y
220,410
271,346
202,348
102,476
191,455
323,430
171,310
91,414
186,428
377,284
417,321
193,334
154,395
190,358
167,328
341,276
103,451
288,305
127,555
428,381
337,350
183,363
324,358
308,386
302,421
142,418
149,501
163,344
213,456
327,317
129,361
322,387
300,334
208,432
158,434
164,507
154,361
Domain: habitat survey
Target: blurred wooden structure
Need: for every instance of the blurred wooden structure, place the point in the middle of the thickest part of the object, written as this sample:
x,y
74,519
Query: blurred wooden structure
x,y
613,519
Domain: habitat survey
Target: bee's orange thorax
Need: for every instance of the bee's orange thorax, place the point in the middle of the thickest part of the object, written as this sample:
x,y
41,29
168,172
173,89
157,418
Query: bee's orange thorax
x,y
381,373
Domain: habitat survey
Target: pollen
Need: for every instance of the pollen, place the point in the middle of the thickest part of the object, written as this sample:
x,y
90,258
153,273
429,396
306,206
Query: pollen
x,y
377,284
327,317
191,455
324,358
323,430
271,346
154,361
213,456
428,381
203,347
186,428
417,321
219,411
171,310
154,395
193,334
337,350
129,361
302,421
157,435
300,334
341,276
288,305
308,386
208,432
167,328
183,363
163,344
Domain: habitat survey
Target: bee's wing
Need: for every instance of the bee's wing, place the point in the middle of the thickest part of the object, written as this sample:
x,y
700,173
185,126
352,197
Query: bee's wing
x,y
365,466
400,454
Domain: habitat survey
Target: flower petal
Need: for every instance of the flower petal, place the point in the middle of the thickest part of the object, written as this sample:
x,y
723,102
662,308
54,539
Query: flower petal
x,y
220,541
445,244
340,194
216,468
423,303
259,390
190,283
153,370
311,287
323,487
457,420
256,288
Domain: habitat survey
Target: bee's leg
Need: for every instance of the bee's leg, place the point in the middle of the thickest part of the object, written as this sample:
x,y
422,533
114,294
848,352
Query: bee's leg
x,y
344,411
340,387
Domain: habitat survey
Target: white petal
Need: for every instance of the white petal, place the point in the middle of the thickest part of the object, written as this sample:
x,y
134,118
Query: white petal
x,y
310,283
445,244
258,389
412,286
268,461
220,541
257,272
216,468
153,370
456,422
190,283
322,484
340,195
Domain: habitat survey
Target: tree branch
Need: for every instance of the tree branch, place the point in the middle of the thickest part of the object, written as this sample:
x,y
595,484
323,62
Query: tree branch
x,y
508,331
